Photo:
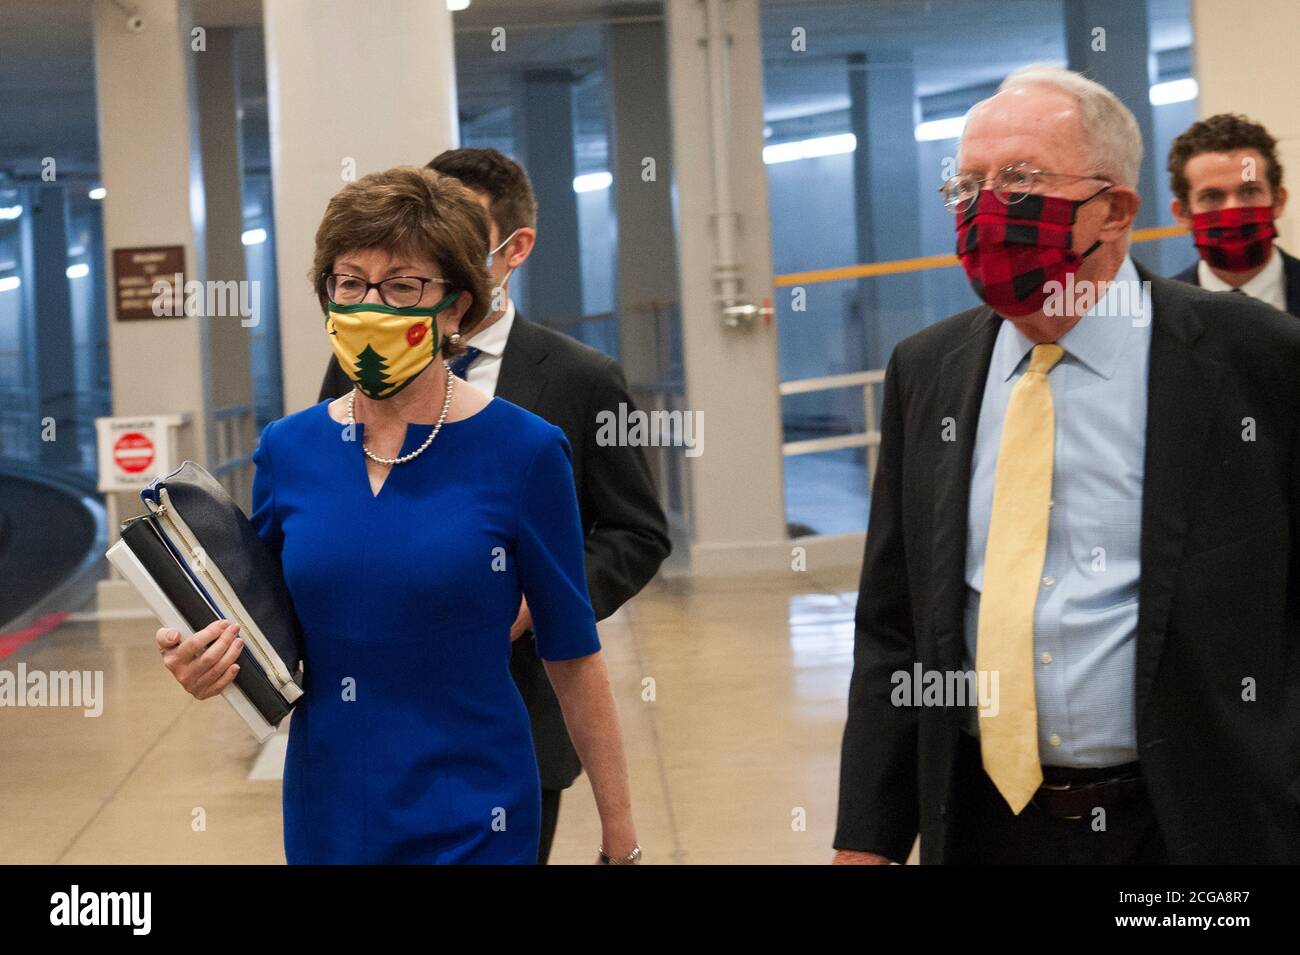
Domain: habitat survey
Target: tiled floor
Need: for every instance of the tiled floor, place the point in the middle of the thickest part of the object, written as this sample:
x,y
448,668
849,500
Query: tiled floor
x,y
734,759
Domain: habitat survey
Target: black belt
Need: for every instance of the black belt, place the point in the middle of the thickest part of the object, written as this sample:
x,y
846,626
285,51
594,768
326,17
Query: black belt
x,y
1079,801
1071,793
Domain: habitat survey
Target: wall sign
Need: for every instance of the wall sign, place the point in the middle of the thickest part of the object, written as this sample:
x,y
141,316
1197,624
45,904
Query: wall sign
x,y
134,273
134,450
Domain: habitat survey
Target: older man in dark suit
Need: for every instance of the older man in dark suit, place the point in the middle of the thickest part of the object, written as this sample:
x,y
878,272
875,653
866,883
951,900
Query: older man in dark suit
x,y
1078,629
568,384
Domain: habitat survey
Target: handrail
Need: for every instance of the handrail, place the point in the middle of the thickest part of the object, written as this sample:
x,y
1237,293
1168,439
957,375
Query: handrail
x,y
868,270
869,439
800,386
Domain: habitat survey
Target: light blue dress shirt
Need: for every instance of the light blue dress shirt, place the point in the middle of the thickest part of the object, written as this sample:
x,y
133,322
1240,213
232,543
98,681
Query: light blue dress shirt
x,y
1085,621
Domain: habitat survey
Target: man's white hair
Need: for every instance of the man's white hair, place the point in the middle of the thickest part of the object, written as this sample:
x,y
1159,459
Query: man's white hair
x,y
1111,134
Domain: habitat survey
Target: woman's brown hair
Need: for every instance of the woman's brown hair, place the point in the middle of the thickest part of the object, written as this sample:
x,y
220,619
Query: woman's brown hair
x,y
411,211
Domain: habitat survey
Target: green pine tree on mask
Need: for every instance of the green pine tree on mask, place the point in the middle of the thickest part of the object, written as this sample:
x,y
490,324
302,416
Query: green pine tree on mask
x,y
372,372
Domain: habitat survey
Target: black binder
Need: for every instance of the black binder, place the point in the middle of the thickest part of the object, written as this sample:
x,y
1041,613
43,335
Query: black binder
x,y
196,558
147,544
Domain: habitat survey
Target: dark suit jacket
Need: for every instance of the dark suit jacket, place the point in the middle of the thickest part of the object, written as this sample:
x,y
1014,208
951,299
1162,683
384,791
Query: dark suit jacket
x,y
567,383
1290,278
1219,596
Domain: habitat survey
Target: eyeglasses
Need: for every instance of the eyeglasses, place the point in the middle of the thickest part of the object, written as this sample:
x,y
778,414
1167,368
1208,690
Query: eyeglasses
x,y
396,291
1010,184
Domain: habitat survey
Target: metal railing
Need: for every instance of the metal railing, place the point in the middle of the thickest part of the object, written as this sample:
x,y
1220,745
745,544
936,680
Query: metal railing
x,y
667,462
868,381
668,465
600,330
235,432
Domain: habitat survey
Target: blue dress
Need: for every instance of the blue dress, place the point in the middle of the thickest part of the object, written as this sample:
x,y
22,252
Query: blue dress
x,y
411,743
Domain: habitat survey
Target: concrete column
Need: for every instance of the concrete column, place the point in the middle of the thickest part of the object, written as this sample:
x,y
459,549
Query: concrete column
x,y
149,165
51,330
544,141
647,245
1110,41
353,87
1232,51
883,115
175,79
169,161
148,152
231,423
731,374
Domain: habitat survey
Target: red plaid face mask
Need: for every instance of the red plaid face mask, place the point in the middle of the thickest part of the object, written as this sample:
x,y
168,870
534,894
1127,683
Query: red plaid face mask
x,y
1236,239
1010,252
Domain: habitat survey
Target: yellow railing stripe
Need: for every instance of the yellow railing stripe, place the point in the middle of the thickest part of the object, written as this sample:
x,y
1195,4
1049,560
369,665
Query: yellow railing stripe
x,y
868,270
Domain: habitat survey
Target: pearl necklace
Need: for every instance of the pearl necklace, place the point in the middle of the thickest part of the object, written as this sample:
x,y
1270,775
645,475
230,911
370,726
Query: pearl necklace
x,y
446,405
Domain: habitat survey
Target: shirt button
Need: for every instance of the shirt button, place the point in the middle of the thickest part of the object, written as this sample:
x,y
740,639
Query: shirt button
x,y
1046,658
1055,740
1051,504
1048,581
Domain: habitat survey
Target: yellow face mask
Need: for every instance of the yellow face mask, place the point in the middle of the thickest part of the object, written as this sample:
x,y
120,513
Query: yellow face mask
x,y
382,348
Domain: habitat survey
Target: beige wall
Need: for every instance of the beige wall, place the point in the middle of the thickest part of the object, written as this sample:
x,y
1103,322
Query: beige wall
x,y
148,155
1245,62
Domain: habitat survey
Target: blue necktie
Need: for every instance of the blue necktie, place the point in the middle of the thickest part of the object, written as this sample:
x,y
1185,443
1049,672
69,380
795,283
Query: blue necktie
x,y
460,364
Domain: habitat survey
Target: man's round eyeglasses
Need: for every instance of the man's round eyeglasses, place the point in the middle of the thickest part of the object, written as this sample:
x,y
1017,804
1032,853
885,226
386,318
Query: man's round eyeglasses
x,y
396,291
1010,184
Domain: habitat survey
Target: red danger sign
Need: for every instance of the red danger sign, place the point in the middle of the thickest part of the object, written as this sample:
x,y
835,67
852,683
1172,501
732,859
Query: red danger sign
x,y
133,452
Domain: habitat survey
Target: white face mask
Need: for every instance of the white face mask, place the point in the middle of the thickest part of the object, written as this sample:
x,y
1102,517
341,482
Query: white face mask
x,y
493,252
498,290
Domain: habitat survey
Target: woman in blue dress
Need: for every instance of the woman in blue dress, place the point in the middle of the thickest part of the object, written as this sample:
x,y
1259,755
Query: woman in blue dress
x,y
411,516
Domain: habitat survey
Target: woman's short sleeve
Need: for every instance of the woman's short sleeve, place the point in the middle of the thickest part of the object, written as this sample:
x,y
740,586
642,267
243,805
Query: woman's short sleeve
x,y
551,564
264,518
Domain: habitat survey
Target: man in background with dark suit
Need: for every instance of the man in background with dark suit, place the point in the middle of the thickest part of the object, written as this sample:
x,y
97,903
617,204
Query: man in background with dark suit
x,y
1227,185
568,384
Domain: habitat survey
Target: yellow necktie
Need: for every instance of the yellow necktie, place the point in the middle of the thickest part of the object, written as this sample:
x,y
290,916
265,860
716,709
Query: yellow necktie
x,y
1013,567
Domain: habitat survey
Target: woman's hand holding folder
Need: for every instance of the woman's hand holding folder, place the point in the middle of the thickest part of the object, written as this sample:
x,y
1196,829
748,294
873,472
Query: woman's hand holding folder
x,y
205,663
